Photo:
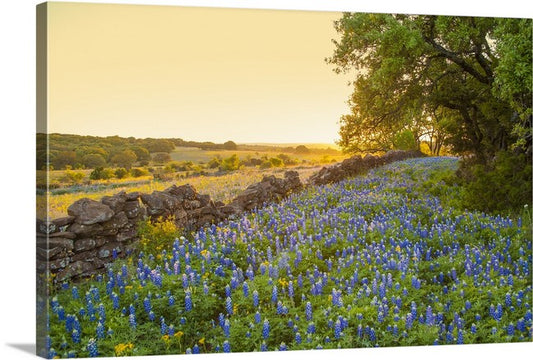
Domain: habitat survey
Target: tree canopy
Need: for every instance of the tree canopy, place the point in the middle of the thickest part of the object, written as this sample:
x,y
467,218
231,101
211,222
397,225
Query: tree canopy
x,y
460,81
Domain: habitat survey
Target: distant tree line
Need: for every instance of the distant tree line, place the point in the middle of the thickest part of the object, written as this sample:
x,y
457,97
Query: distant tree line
x,y
92,152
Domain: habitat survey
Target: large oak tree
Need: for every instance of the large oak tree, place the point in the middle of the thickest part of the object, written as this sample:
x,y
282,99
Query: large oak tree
x,y
465,81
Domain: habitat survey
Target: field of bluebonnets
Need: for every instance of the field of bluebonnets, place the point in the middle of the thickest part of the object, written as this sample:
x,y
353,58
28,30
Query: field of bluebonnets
x,y
383,259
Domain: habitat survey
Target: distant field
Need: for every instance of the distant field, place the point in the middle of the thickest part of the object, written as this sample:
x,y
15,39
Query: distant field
x,y
222,188
198,155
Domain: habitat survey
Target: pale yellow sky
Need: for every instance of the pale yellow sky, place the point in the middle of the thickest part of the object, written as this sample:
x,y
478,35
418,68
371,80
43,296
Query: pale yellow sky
x,y
196,73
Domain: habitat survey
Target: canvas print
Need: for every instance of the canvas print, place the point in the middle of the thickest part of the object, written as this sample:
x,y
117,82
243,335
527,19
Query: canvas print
x,y
218,180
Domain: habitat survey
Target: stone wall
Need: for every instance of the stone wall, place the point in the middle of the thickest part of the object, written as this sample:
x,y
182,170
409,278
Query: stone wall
x,y
97,232
357,165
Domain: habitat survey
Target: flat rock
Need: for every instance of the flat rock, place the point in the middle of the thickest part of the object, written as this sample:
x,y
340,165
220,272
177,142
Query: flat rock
x,y
50,254
112,226
62,243
74,269
134,209
88,212
115,202
63,234
63,221
85,230
84,245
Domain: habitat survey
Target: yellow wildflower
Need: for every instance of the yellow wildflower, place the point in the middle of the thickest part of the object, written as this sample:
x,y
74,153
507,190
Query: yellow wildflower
x,y
398,249
179,334
201,341
121,349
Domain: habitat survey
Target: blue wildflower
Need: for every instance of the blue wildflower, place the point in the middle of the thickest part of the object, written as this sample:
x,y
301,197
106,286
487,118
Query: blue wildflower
x,y
226,328
308,311
274,298
508,300
188,302
132,321
229,306
266,329
255,296
510,329
76,336
291,289
163,326
337,329
372,335
226,347
460,339
100,331
92,348
147,304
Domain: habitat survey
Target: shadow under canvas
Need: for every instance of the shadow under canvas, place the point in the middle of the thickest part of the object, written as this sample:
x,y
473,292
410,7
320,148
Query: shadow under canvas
x,y
28,348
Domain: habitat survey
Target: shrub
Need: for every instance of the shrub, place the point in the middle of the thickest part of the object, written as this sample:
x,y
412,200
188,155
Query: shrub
x,y
101,173
503,185
159,235
231,163
138,172
92,161
73,177
214,163
266,164
121,173
161,158
287,160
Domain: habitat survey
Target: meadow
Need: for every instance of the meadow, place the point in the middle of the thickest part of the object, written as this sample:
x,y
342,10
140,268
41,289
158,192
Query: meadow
x,y
383,259
198,155
222,187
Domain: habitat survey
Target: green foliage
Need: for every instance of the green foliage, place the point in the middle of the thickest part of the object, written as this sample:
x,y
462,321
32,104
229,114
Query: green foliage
x,y
64,159
138,172
159,235
142,153
161,157
159,145
73,177
230,145
101,173
125,159
405,140
504,185
230,163
287,160
456,79
121,173
92,161
302,149
214,163
276,162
